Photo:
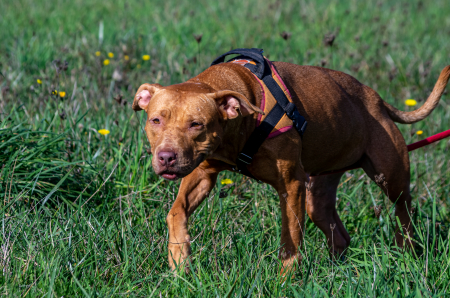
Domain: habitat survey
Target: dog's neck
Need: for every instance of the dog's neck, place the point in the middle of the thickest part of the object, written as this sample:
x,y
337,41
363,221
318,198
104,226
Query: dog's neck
x,y
229,76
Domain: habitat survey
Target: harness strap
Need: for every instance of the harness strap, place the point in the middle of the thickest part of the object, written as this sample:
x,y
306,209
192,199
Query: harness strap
x,y
258,136
289,107
262,70
254,54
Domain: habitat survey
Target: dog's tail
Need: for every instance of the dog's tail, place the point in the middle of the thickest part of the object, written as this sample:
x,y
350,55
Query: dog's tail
x,y
425,110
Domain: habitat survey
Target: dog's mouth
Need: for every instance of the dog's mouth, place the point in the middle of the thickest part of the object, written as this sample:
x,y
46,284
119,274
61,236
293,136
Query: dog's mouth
x,y
172,176
175,172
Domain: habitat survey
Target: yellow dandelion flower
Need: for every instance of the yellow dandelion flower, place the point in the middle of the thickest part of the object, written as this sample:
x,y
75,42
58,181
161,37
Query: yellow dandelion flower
x,y
226,181
138,66
110,55
97,53
146,57
62,93
419,132
126,57
103,132
410,102
39,81
106,62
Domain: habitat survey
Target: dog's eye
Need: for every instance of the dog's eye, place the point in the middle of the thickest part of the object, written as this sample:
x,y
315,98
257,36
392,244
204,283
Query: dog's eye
x,y
155,121
196,124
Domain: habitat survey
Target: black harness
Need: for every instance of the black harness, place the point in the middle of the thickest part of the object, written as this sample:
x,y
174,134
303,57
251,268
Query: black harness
x,y
263,72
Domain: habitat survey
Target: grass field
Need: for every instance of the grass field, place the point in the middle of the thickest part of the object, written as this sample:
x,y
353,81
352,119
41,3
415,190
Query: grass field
x,y
83,214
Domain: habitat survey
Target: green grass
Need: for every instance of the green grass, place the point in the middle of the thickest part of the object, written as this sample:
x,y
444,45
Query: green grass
x,y
84,214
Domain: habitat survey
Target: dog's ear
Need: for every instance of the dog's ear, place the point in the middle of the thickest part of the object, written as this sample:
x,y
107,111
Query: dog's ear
x,y
143,96
229,102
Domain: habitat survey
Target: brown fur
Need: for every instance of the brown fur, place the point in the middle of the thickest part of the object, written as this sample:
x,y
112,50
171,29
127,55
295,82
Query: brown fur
x,y
347,122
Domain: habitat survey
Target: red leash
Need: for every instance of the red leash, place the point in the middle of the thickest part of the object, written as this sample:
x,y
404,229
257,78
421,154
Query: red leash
x,y
411,147
429,140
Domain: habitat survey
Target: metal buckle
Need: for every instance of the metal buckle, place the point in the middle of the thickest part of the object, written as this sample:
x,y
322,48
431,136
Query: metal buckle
x,y
236,169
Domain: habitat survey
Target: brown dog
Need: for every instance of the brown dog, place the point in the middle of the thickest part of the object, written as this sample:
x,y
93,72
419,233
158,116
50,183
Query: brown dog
x,y
196,130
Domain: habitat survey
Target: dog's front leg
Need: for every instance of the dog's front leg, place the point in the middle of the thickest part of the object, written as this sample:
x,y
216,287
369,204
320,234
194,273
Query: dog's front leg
x,y
193,190
292,194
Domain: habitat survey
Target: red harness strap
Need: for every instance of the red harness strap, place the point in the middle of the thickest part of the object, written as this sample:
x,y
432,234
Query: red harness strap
x,y
411,147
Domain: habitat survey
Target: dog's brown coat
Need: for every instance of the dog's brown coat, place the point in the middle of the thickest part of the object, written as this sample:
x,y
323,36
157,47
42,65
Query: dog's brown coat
x,y
347,122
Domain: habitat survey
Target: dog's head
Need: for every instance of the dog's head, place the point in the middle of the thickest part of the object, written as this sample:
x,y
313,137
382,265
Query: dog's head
x,y
185,123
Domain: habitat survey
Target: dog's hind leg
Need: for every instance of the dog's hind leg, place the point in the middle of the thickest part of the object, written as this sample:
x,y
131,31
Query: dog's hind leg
x,y
321,208
386,162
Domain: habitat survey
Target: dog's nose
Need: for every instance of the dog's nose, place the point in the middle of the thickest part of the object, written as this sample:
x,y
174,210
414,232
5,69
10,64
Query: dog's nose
x,y
167,158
